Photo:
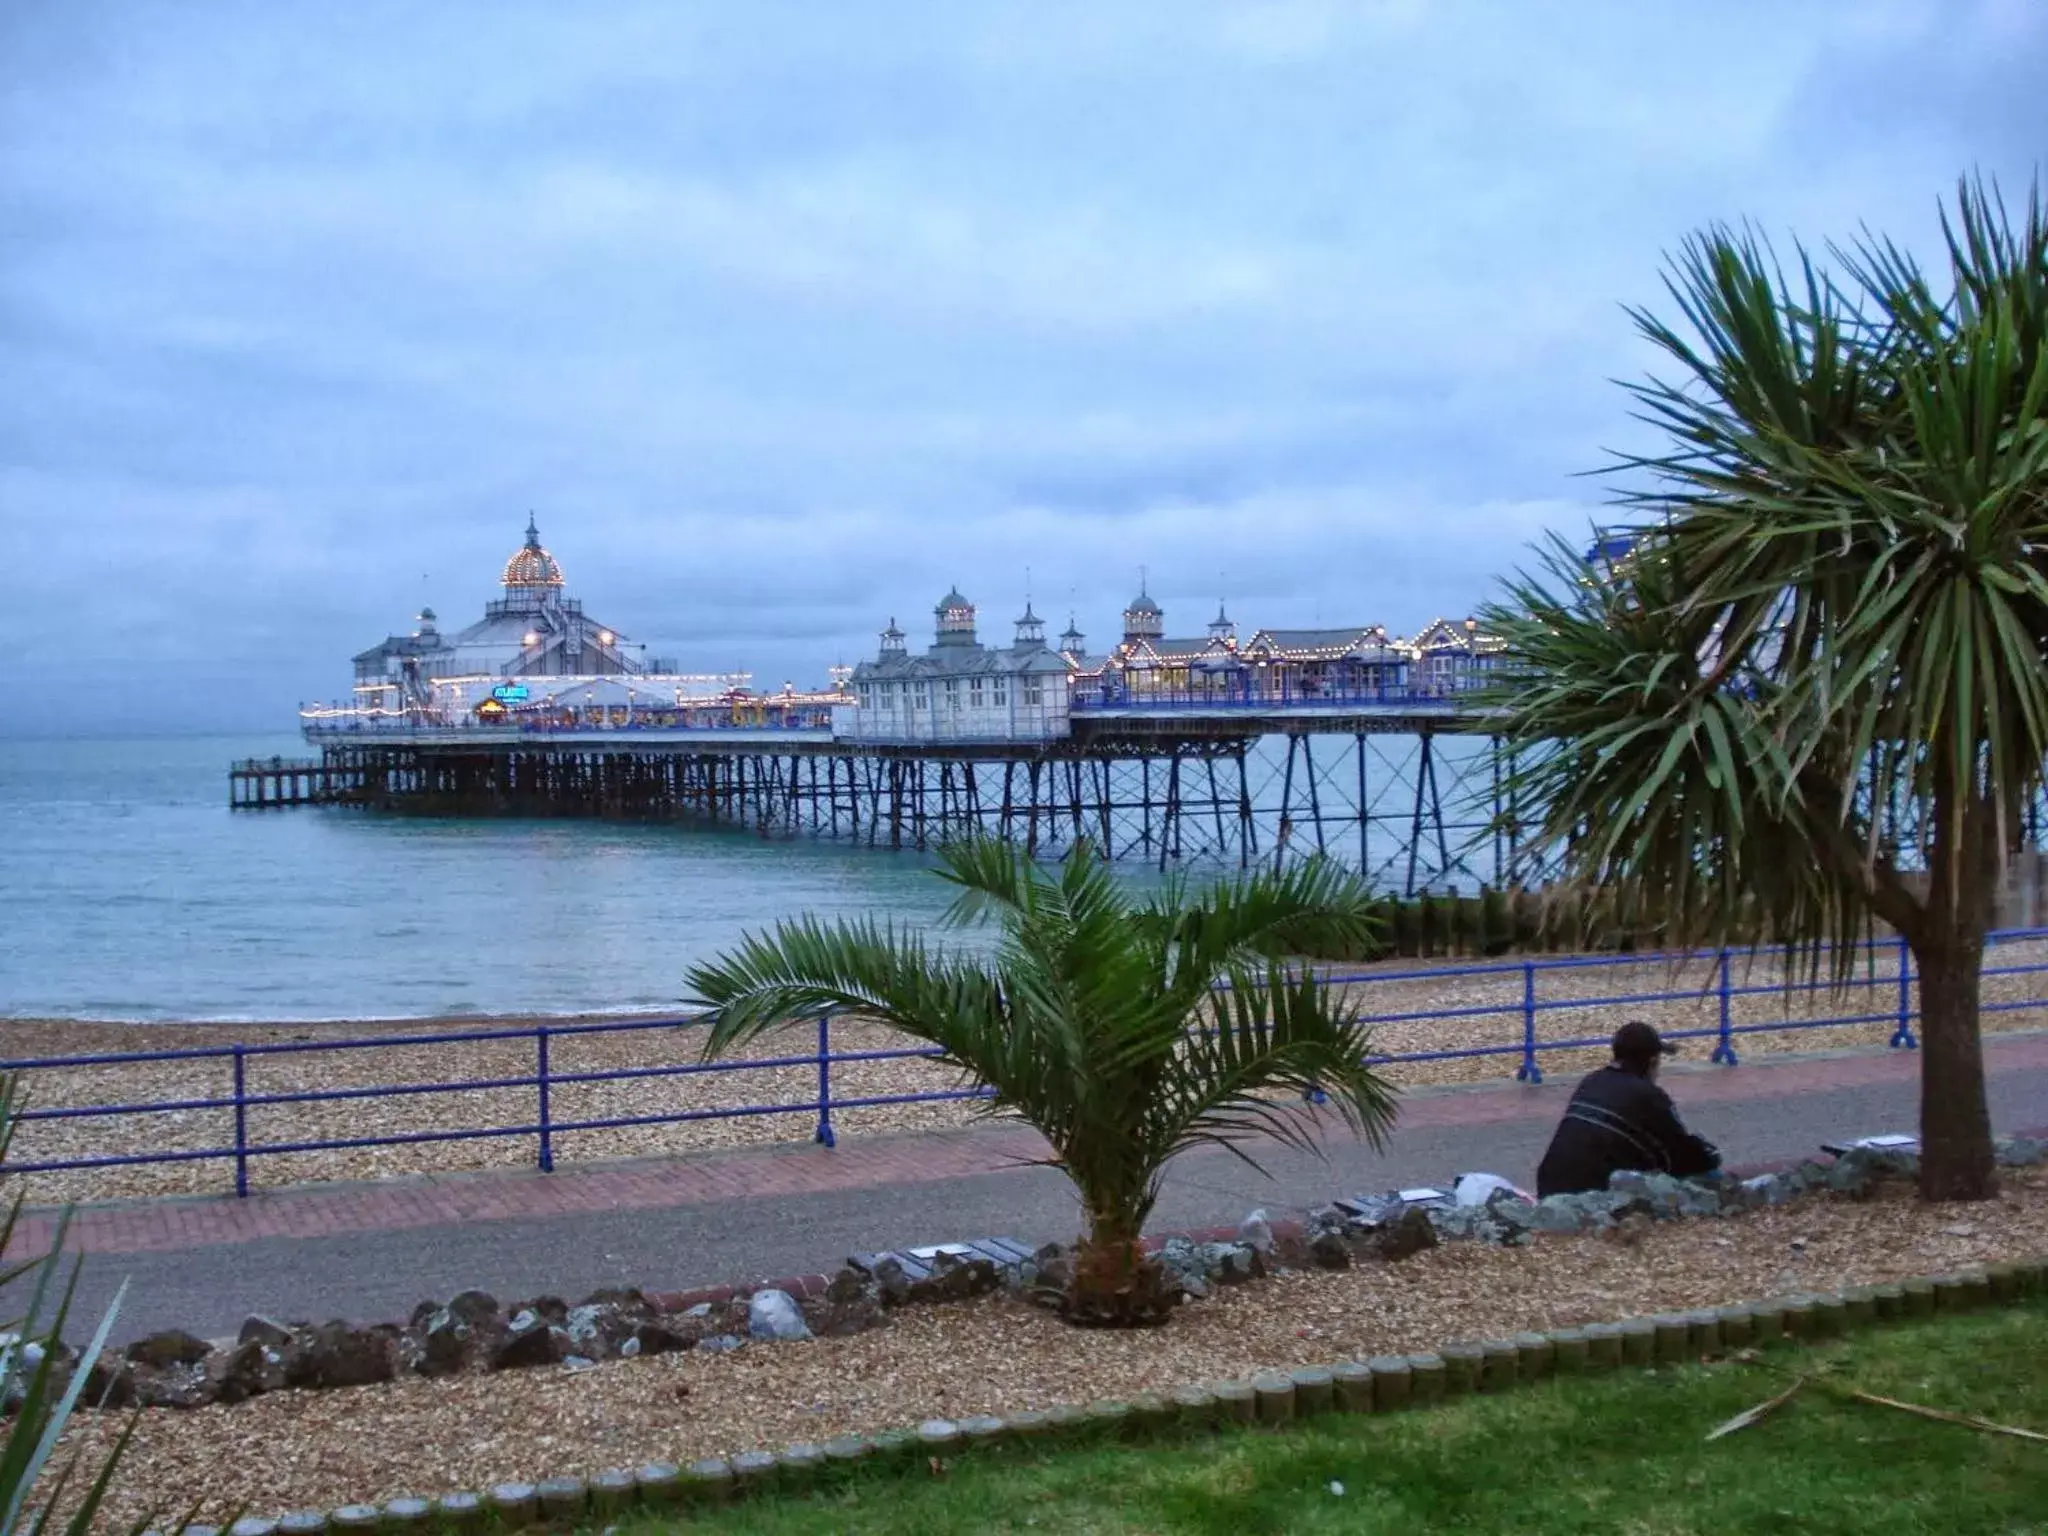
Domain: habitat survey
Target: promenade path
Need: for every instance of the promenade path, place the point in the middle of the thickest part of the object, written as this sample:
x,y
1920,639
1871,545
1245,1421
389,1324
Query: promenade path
x,y
371,1251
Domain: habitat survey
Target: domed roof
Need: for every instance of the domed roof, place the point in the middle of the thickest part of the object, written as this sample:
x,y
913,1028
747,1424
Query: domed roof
x,y
1142,603
532,566
953,599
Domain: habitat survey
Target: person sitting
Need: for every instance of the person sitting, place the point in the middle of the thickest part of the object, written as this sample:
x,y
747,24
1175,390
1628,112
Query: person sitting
x,y
1619,1118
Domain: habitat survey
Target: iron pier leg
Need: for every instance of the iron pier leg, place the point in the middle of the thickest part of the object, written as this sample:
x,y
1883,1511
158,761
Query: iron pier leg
x,y
1315,799
1364,813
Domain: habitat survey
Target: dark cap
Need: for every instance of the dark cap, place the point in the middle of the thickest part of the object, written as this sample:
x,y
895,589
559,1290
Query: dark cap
x,y
1638,1042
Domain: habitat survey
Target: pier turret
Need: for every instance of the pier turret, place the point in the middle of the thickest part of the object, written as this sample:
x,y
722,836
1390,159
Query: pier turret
x,y
956,621
1030,630
1143,620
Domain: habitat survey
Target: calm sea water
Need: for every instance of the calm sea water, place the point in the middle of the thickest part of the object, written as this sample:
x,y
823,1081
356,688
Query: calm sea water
x,y
132,892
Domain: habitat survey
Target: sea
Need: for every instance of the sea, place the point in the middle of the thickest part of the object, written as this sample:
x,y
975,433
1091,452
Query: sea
x,y
129,891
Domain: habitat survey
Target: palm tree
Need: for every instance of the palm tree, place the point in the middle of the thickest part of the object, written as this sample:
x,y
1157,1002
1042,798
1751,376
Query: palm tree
x,y
39,1386
1813,697
1097,1019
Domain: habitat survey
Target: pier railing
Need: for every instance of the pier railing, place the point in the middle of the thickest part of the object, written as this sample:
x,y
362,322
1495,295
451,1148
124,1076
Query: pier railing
x,y
1523,1014
1251,697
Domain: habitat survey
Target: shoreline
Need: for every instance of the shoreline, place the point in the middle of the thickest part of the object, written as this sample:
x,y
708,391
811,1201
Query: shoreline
x,y
424,1023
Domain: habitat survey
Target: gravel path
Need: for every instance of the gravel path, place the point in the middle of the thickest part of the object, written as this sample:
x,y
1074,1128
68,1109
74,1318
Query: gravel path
x,y
428,1437
1578,1002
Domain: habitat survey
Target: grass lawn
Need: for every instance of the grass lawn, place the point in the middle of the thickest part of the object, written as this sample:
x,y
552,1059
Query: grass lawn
x,y
1614,1453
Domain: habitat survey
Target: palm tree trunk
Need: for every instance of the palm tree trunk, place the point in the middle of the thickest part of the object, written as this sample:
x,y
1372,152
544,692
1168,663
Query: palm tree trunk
x,y
1956,1156
1116,1283
1957,1161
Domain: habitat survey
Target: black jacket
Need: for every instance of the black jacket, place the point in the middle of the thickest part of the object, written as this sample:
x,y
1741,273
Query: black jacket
x,y
1619,1119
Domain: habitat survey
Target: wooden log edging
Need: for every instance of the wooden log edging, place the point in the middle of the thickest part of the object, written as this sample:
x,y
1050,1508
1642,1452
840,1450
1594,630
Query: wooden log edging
x,y
1275,1399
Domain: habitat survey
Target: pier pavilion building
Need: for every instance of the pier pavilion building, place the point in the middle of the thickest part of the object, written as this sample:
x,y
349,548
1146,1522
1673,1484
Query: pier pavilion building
x,y
959,689
534,630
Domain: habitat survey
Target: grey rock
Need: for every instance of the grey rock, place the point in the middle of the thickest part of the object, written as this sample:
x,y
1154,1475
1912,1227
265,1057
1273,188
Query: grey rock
x,y
849,1285
1699,1199
659,1336
1052,1274
185,1385
1408,1234
1510,1211
336,1355
1192,1285
109,1384
701,1309
1329,1251
773,1314
630,1349
1327,1218
721,1343
446,1345
264,1331
1256,1232
172,1347
578,1363
891,1281
620,1298
475,1309
2021,1152
248,1370
524,1347
1587,1212
838,1319
954,1278
1370,1213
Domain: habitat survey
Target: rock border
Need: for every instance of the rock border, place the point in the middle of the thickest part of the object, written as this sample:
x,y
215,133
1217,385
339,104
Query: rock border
x,y
1277,1398
474,1333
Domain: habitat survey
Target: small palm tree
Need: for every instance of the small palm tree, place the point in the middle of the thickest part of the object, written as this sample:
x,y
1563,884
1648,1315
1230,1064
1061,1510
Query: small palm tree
x,y
1124,1031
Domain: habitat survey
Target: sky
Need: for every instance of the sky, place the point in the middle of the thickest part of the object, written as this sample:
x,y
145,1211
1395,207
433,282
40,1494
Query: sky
x,y
782,318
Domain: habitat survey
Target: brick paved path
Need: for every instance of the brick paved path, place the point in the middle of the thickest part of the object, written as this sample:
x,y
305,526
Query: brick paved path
x,y
766,1174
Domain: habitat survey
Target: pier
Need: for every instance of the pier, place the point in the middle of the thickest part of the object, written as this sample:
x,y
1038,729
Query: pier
x,y
264,783
1207,749
1407,791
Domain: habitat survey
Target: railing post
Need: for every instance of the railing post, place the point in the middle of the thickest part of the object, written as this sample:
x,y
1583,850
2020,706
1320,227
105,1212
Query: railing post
x,y
1902,1037
241,1122
547,1131
1528,1071
823,1135
1724,1050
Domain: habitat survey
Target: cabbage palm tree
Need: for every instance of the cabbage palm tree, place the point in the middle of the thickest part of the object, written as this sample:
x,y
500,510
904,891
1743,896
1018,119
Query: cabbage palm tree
x,y
1813,697
1096,1018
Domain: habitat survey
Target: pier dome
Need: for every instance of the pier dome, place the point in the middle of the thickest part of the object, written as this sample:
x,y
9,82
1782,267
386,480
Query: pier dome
x,y
532,566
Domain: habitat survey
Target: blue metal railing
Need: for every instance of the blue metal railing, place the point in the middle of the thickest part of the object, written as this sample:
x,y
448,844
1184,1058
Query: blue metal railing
x,y
1251,696
545,1081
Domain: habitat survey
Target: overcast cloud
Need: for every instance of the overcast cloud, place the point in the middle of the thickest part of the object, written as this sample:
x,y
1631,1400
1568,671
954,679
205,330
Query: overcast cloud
x,y
783,317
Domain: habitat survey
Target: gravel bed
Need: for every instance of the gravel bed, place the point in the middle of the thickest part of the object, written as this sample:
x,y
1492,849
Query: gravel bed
x,y
301,1449
1579,1002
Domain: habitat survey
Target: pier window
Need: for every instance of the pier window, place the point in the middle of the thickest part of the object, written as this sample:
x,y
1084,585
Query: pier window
x,y
920,698
1002,696
952,696
974,692
1034,693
